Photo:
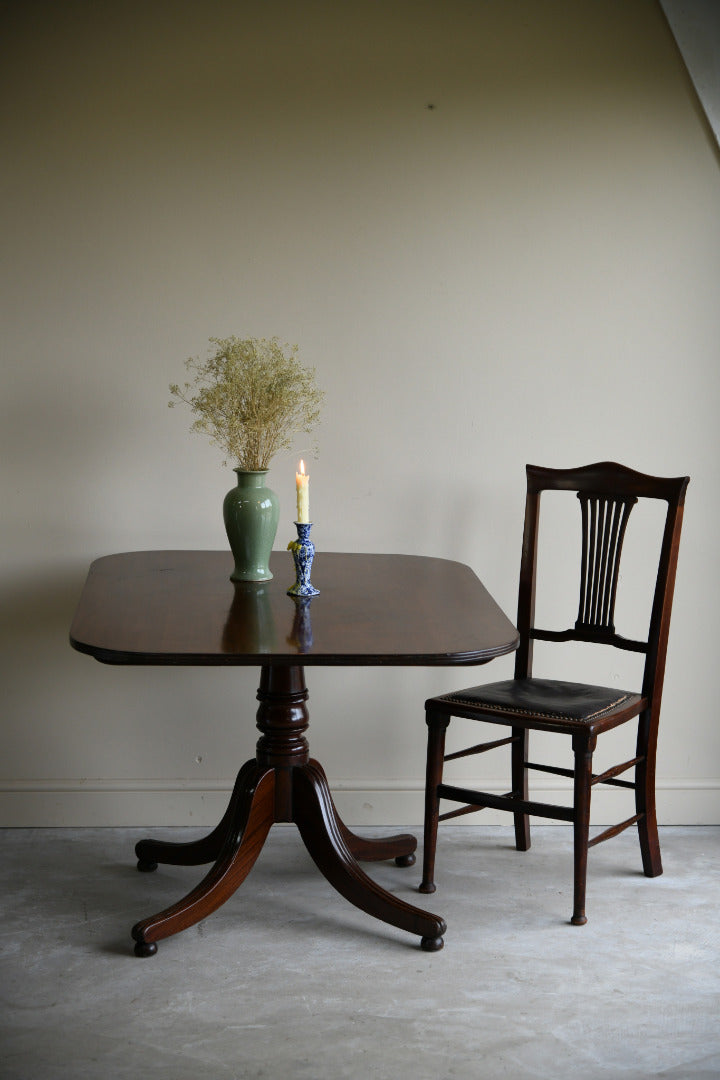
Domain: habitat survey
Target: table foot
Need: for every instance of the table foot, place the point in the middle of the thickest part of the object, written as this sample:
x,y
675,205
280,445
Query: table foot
x,y
145,948
197,852
255,807
432,944
324,835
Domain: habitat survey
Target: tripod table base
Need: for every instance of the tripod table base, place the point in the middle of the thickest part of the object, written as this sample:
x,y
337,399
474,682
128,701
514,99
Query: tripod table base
x,y
283,784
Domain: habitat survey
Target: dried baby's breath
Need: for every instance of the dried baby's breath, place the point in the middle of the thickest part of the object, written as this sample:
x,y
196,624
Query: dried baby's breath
x,y
251,396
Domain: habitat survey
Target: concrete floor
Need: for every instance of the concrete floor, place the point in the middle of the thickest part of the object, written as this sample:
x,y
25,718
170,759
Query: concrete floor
x,y
287,980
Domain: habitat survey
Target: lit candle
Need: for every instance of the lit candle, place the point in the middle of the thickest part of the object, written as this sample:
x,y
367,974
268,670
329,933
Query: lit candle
x,y
302,483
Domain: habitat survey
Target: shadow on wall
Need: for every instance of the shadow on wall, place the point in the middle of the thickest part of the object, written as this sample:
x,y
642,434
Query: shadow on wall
x,y
36,612
38,675
41,708
67,716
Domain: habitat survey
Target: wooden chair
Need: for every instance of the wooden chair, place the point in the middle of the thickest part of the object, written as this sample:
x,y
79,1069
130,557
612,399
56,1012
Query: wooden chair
x,y
607,493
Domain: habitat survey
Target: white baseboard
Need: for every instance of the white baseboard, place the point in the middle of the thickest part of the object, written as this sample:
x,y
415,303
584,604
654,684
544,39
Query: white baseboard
x,y
105,803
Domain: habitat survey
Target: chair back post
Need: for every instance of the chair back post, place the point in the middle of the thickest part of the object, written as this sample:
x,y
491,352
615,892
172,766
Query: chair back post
x,y
654,675
526,591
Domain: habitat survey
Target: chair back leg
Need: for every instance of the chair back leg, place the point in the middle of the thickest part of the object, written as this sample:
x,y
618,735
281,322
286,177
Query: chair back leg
x,y
437,728
583,748
645,796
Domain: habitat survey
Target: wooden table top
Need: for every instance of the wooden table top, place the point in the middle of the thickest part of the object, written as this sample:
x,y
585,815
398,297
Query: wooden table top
x,y
180,607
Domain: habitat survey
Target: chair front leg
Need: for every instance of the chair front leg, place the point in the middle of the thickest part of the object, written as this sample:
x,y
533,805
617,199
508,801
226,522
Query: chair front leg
x,y
583,748
437,724
520,786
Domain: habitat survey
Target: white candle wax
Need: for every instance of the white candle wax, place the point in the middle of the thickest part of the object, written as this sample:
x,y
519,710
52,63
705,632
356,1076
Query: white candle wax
x,y
302,483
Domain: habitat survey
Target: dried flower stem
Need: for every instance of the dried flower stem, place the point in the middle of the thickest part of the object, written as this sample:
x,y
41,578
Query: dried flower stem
x,y
251,396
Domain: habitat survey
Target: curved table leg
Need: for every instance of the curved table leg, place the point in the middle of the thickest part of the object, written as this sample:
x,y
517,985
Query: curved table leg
x,y
197,852
255,814
324,836
400,847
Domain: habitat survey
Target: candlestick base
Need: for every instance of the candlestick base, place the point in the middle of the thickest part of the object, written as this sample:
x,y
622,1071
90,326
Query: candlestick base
x,y
303,553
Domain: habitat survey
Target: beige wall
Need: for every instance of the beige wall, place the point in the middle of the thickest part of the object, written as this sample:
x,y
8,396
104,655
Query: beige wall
x,y
527,271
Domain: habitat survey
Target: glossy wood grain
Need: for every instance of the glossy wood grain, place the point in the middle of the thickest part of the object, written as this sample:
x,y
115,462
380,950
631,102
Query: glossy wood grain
x,y
236,859
180,607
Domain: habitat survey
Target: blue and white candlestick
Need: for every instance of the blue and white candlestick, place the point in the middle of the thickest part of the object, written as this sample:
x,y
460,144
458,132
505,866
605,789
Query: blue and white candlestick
x,y
303,552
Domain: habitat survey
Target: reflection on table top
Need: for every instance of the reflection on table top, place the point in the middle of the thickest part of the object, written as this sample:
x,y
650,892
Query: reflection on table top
x,y
180,607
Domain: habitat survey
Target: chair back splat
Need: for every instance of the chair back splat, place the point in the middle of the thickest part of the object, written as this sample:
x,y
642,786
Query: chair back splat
x,y
607,494
604,521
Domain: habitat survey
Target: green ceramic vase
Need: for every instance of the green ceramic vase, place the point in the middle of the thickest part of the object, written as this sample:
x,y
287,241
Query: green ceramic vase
x,y
251,512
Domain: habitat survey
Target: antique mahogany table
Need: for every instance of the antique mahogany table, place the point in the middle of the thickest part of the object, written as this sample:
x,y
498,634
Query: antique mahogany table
x,y
179,607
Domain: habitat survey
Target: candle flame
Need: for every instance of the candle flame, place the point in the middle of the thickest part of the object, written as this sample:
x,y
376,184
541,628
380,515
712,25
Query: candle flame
x,y
302,467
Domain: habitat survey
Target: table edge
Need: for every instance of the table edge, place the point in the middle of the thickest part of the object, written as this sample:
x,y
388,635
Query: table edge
x,y
113,657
